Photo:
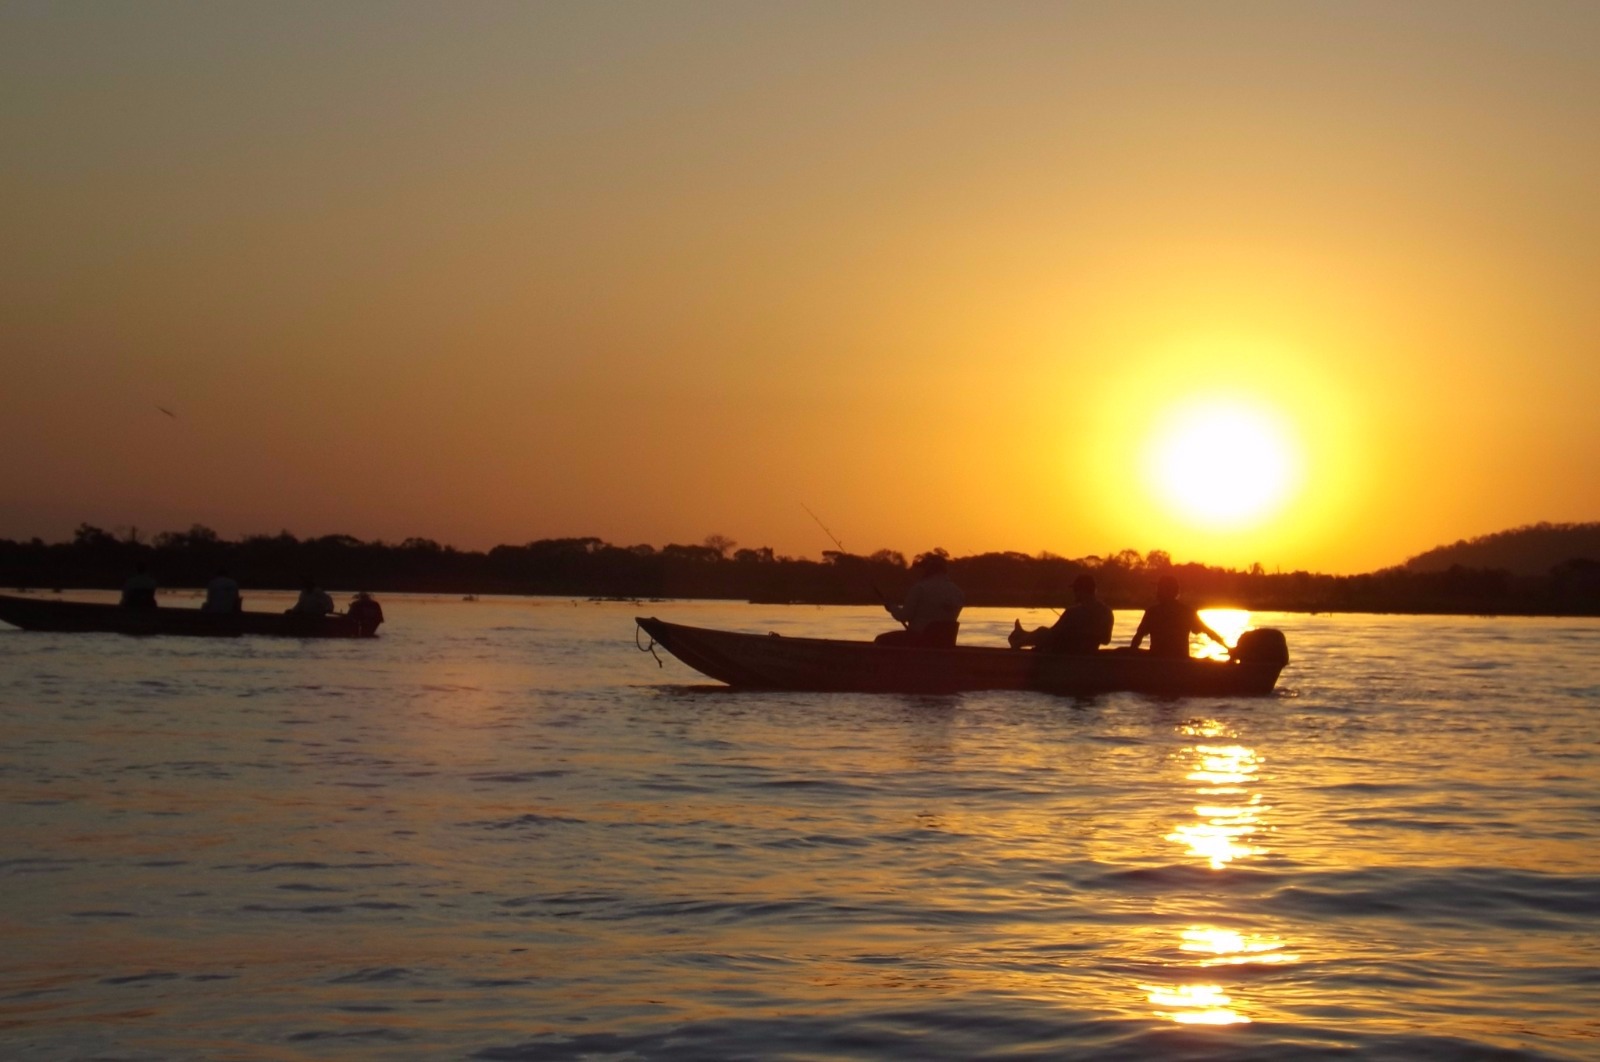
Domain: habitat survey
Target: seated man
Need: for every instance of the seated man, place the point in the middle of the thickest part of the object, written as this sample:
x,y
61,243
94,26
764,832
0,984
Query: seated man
x,y
367,613
1169,622
140,589
222,594
312,601
933,605
1083,628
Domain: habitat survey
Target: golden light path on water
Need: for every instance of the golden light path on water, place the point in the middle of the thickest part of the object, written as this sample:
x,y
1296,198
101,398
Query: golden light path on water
x,y
1228,622
1227,820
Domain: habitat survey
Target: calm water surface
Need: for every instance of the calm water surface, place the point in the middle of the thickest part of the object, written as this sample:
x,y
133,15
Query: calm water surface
x,y
501,832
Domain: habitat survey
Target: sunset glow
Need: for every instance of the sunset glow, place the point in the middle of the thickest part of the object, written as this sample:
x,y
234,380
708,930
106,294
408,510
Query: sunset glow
x,y
1293,285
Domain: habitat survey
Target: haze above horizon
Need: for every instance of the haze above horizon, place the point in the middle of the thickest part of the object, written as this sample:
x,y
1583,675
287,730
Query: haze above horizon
x,y
1303,285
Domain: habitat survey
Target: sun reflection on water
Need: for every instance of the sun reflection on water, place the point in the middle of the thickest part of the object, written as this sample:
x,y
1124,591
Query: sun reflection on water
x,y
1232,813
1203,728
1229,815
1229,947
1195,1005
1228,622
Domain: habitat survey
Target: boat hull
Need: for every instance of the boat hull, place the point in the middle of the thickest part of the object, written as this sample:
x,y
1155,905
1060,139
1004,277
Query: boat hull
x,y
79,616
779,662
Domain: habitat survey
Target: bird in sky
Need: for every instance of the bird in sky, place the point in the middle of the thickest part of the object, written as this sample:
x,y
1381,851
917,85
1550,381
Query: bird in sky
x,y
167,411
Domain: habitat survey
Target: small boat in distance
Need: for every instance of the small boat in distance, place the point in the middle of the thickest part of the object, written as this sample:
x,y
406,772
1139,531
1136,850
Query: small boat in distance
x,y
32,614
780,662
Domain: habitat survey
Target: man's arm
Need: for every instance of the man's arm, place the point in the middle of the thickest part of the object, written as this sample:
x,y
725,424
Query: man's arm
x,y
1108,622
904,612
1199,627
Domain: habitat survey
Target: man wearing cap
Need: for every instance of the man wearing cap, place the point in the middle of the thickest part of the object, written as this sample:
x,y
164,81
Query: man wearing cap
x,y
367,613
1083,628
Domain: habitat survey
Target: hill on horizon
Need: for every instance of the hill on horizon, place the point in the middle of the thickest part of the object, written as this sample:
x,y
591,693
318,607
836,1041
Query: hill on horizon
x,y
1532,550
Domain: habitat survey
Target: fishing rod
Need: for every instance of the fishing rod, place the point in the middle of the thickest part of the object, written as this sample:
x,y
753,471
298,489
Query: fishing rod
x,y
842,550
824,527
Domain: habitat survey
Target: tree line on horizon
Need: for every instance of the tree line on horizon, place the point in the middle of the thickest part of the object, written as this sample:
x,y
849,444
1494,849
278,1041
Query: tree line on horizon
x,y
718,568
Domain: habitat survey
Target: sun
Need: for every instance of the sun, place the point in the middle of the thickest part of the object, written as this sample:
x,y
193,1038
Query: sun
x,y
1222,463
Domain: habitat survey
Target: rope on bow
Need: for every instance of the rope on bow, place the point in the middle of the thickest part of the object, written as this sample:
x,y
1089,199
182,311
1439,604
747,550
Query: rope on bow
x,y
651,648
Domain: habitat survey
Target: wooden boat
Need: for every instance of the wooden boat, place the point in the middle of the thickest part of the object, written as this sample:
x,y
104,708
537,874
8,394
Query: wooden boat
x,y
35,614
779,662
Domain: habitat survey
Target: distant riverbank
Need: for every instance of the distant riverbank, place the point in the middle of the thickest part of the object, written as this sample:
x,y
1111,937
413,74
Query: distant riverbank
x,y
592,568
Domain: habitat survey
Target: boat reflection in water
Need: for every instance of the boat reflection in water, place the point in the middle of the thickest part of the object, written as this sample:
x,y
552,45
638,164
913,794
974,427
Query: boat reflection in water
x,y
1227,820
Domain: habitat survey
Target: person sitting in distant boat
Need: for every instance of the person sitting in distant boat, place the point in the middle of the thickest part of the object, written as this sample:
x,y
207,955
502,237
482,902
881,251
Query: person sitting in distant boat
x,y
932,607
313,601
1169,622
1083,628
140,589
367,613
222,595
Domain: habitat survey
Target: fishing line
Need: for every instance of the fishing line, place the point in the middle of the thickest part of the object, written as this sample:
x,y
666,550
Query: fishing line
x,y
846,552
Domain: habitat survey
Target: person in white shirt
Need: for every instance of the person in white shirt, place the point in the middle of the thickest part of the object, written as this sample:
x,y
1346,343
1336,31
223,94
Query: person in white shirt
x,y
222,594
932,607
312,601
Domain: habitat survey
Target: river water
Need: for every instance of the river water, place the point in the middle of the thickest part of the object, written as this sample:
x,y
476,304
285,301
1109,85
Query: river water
x,y
500,832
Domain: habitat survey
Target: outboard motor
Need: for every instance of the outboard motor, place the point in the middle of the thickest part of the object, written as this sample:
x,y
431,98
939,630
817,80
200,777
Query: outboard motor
x,y
1264,645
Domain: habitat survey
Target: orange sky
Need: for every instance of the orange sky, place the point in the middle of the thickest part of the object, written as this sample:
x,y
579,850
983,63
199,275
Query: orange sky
x,y
489,273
